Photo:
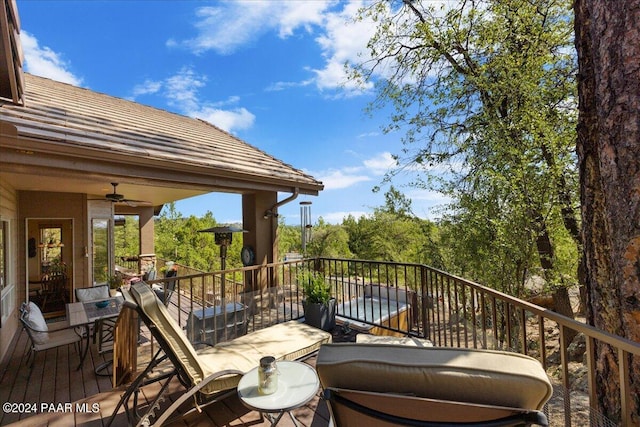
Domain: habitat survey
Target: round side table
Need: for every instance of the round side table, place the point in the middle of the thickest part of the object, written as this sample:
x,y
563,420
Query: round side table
x,y
297,384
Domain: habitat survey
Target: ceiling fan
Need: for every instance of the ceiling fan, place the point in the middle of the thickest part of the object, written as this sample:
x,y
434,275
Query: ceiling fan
x,y
119,198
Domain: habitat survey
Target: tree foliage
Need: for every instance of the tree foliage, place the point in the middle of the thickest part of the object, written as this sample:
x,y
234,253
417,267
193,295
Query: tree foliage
x,y
393,233
179,239
483,92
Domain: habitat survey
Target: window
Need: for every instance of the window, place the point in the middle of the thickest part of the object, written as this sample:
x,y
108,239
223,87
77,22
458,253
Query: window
x,y
4,250
7,296
50,247
101,249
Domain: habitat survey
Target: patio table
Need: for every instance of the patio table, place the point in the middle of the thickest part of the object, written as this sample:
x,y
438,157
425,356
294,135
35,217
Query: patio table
x,y
83,314
297,384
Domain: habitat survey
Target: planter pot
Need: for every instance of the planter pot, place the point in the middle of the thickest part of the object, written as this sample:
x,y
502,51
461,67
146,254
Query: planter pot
x,y
321,316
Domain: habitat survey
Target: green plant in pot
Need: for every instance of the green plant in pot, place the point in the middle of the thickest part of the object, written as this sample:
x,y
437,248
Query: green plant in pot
x,y
319,307
114,281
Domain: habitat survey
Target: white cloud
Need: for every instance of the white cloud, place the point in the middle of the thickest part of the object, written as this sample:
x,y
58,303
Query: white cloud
x,y
343,40
182,89
279,86
146,88
239,118
338,217
182,93
339,179
381,163
227,26
344,44
368,135
348,176
44,62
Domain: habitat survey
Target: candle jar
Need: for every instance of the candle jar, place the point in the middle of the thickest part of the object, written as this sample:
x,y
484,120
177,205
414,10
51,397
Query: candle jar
x,y
267,375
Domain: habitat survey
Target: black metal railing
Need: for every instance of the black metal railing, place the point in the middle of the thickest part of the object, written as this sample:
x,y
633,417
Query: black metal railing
x,y
412,300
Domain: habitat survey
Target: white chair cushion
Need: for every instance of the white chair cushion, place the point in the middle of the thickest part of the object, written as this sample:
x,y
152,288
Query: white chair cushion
x,y
35,319
91,294
390,340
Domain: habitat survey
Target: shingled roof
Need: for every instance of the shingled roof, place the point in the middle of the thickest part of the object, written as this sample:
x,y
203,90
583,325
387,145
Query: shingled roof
x,y
83,124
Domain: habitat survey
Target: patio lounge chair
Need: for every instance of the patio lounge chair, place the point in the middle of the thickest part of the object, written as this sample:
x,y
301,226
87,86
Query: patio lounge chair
x,y
212,372
388,385
44,336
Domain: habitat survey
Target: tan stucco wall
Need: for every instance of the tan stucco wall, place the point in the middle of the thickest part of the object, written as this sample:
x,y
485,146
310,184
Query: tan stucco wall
x,y
9,212
146,224
262,233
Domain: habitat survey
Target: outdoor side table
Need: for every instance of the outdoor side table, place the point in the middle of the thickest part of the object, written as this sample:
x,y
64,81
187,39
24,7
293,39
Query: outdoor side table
x,y
297,384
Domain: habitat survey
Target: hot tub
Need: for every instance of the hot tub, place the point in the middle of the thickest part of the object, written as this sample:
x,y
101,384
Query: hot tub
x,y
379,306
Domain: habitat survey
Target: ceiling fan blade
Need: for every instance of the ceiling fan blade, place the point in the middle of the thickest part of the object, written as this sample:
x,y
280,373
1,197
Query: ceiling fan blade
x,y
134,203
121,200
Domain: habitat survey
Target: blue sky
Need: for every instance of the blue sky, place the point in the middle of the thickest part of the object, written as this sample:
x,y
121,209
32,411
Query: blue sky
x,y
269,72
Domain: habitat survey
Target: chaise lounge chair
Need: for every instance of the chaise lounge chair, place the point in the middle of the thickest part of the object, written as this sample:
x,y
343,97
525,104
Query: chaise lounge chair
x,y
213,371
389,385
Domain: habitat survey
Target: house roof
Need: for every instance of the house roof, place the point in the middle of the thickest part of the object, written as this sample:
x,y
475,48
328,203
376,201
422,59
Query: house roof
x,y
11,57
80,129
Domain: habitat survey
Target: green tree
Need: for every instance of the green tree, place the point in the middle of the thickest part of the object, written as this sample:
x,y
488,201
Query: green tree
x,y
179,239
127,237
393,233
483,92
328,240
289,238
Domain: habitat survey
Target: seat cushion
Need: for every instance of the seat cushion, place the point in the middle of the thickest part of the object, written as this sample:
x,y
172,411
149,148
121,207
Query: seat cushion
x,y
464,375
35,319
291,340
93,293
44,341
379,339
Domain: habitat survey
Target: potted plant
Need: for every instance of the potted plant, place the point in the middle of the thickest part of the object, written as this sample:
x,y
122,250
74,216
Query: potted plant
x,y
319,307
114,282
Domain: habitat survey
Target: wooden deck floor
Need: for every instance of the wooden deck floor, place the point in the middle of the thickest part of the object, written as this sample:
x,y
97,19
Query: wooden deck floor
x,y
54,384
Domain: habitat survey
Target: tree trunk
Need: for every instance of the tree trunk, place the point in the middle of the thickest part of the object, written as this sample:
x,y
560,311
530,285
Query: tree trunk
x,y
561,301
608,146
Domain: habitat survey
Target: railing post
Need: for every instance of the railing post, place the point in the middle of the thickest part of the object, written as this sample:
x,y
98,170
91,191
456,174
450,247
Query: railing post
x,y
125,346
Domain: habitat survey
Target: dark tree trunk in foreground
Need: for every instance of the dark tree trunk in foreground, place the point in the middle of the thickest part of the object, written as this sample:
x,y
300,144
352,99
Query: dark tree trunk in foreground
x,y
608,44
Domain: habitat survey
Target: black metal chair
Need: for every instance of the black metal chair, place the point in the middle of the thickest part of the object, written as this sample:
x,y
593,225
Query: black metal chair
x,y
45,336
165,290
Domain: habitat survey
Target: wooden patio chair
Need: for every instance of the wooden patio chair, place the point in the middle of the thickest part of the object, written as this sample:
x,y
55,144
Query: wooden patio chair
x,y
44,336
209,373
54,289
388,385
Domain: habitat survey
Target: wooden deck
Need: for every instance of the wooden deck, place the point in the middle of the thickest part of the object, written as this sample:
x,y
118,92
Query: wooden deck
x,y
54,384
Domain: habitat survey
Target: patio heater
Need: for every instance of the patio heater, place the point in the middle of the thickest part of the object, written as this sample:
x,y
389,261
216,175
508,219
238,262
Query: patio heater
x,y
223,237
305,224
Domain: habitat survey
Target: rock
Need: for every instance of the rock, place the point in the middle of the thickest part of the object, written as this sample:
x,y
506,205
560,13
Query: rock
x,y
577,349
